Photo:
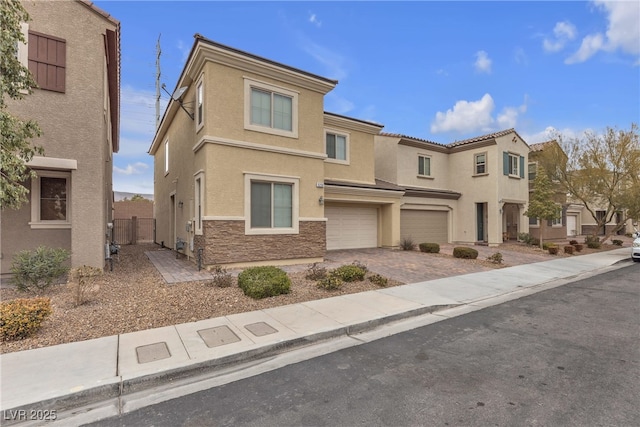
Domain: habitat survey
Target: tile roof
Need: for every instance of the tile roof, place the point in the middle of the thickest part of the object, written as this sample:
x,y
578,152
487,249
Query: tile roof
x,y
379,185
483,137
399,135
540,145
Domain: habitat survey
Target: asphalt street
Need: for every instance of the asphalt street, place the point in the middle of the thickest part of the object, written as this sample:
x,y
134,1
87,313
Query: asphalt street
x,y
567,356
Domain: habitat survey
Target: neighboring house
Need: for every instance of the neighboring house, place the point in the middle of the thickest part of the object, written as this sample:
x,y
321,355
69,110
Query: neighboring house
x,y
127,209
470,191
567,223
249,169
76,65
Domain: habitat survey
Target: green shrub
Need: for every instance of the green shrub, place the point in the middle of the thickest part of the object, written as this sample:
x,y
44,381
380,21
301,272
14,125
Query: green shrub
x,y
553,250
465,252
262,282
407,244
315,272
350,273
361,265
379,280
526,238
617,242
81,282
578,247
495,258
330,282
568,249
592,242
220,277
22,317
547,245
36,270
431,248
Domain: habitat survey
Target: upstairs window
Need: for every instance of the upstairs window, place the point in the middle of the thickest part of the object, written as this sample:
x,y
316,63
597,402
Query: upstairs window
x,y
513,164
270,109
336,146
166,157
533,170
199,105
424,166
47,61
480,164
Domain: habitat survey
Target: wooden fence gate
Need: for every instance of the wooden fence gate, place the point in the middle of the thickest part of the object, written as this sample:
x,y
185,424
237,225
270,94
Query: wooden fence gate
x,y
134,230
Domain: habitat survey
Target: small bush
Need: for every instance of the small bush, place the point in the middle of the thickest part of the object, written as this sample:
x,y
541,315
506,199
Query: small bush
x,y
22,317
378,280
431,248
220,277
526,238
81,281
592,242
578,247
262,282
617,242
331,282
553,250
547,245
315,272
568,249
36,270
407,244
573,242
361,265
465,252
495,258
350,273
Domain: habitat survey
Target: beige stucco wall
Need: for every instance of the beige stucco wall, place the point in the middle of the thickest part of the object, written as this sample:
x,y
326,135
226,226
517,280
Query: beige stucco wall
x,y
385,152
408,168
74,126
361,158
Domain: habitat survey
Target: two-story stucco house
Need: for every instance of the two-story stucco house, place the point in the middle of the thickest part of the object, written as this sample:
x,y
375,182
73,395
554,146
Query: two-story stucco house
x,y
76,65
249,169
470,191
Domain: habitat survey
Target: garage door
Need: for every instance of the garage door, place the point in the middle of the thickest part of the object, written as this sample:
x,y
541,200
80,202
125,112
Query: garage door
x,y
351,227
424,226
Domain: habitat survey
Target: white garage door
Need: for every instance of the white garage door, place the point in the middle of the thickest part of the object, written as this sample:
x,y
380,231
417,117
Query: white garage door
x,y
424,226
351,227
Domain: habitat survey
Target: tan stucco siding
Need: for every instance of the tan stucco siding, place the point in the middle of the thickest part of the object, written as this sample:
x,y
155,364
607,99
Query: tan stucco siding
x,y
226,119
74,126
408,168
360,165
386,163
225,178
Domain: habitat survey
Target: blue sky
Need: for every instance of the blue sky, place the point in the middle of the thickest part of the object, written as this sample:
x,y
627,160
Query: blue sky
x,y
441,71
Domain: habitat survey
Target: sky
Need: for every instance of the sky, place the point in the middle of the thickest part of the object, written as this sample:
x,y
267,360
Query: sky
x,y
441,71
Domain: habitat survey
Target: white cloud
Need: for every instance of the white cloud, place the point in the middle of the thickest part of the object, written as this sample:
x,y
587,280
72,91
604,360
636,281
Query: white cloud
x,y
483,63
313,18
508,118
332,61
465,116
520,56
623,28
137,168
564,32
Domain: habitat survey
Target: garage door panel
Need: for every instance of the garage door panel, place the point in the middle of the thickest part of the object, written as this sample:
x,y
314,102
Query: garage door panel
x,y
424,226
351,227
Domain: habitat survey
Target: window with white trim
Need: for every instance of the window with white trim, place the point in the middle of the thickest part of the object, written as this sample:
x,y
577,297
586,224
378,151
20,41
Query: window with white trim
x,y
270,109
424,165
271,204
533,170
50,200
513,164
480,163
166,157
199,202
199,105
337,146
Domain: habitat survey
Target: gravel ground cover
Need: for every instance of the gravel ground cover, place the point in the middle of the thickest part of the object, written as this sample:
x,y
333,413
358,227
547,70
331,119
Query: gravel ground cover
x,y
135,297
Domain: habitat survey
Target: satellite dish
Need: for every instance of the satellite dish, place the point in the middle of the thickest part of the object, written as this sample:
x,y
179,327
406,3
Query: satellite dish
x,y
177,95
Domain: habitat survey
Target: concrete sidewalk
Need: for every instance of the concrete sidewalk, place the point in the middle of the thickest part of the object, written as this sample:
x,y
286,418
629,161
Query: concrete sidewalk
x,y
97,375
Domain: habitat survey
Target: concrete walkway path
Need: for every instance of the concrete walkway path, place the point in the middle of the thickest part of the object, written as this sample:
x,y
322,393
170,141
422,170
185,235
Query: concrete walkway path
x,y
102,377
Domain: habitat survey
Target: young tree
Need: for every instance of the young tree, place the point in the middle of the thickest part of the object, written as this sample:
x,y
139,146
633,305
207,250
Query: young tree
x,y
541,203
600,171
15,133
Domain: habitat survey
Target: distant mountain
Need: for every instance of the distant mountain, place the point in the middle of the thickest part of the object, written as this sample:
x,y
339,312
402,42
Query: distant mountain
x,y
120,195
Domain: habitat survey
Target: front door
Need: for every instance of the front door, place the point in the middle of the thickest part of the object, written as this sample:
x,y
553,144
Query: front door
x,y
481,222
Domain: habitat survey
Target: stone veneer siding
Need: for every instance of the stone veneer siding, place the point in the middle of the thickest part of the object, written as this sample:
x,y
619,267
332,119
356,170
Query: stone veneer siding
x,y
225,242
588,230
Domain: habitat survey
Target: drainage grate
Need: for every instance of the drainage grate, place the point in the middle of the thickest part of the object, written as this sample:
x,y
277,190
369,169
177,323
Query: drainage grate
x,y
153,352
220,335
